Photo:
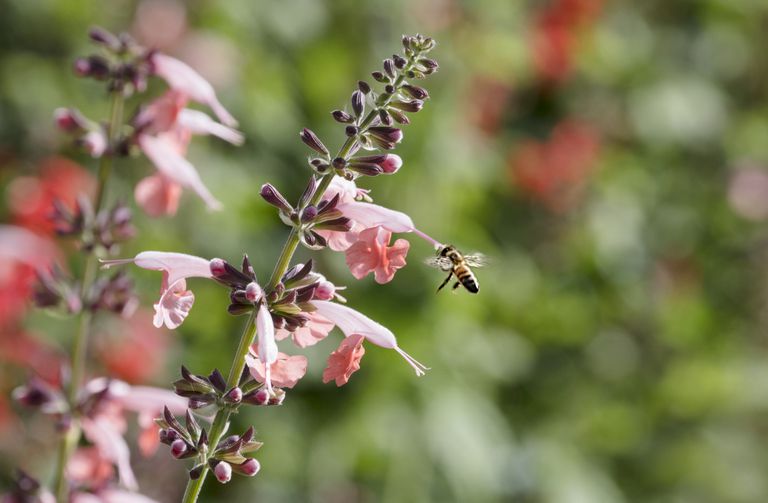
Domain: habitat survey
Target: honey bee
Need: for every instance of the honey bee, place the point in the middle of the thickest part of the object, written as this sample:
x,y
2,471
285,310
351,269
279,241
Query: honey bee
x,y
449,259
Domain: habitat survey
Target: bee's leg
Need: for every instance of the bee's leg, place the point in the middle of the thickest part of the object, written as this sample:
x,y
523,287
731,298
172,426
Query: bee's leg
x,y
445,282
456,285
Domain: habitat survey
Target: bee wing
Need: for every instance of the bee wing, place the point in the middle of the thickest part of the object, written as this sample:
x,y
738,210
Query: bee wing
x,y
476,260
442,263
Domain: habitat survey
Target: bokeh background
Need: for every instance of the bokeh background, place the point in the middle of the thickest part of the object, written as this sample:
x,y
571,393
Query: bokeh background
x,y
611,158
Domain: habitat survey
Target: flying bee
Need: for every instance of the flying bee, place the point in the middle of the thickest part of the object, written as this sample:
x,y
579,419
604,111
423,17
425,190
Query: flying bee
x,y
450,260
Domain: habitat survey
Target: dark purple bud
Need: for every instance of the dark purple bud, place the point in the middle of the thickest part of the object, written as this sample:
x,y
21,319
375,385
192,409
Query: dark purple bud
x,y
386,134
309,191
275,198
103,37
196,404
400,61
363,86
384,117
235,395
365,168
399,116
308,214
195,472
389,68
223,472
342,116
358,103
249,468
312,141
92,66
415,91
408,106
415,74
389,89
319,166
218,380
339,163
379,77
179,448
429,64
408,42
428,44
351,130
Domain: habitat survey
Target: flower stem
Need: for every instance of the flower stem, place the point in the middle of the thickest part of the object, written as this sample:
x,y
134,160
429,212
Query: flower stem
x,y
71,438
219,426
283,262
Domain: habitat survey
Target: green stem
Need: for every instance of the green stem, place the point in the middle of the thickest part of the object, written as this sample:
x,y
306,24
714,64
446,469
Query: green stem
x,y
283,262
219,426
71,438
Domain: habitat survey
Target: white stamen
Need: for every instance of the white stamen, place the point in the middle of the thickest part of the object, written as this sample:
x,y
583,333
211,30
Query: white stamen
x,y
106,264
415,364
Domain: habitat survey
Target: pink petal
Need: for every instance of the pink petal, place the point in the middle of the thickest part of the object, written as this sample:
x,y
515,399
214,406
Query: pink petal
x,y
111,444
95,143
157,195
395,256
200,123
372,215
176,266
338,241
285,372
174,305
364,255
316,329
161,115
353,322
182,77
151,400
17,244
345,361
266,333
163,151
346,189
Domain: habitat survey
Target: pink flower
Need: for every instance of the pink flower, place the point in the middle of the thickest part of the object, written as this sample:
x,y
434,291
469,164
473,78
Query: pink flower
x,y
175,300
266,345
345,361
285,372
88,467
315,330
371,254
352,322
164,130
183,78
158,195
95,142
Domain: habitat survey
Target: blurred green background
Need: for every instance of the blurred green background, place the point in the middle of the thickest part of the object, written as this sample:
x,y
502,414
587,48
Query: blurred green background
x,y
610,158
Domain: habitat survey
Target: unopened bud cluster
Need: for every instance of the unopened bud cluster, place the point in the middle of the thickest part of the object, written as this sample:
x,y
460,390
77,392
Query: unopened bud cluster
x,y
190,440
101,232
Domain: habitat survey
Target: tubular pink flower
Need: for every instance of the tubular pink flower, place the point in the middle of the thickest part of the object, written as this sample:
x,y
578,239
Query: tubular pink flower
x,y
267,347
371,254
106,434
182,77
158,195
367,215
164,153
175,301
345,361
315,330
200,123
285,372
352,322
94,142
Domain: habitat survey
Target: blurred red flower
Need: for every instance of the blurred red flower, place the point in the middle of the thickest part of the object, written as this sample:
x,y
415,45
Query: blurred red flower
x,y
553,171
555,32
30,198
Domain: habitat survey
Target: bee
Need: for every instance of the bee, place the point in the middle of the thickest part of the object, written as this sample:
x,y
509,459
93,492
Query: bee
x,y
449,259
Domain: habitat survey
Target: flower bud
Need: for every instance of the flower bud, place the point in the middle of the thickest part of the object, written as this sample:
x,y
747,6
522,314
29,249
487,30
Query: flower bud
x,y
339,163
324,290
389,68
249,468
178,448
400,61
223,472
342,116
258,397
384,117
103,37
312,141
235,395
363,86
399,116
308,214
365,168
95,143
351,130
415,92
391,164
275,198
92,66
407,106
358,103
379,77
386,133
69,120
429,64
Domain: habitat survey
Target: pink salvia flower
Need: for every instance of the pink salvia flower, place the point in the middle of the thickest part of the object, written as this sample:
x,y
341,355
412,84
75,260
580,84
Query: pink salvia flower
x,y
352,322
345,361
182,77
371,254
95,143
158,195
175,301
164,153
267,347
285,372
315,330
